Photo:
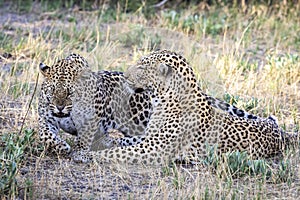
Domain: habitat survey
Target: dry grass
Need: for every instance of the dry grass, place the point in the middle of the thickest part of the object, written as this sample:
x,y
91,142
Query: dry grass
x,y
252,56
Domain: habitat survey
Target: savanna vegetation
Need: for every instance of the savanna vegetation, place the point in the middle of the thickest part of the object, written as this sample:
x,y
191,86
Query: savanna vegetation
x,y
245,52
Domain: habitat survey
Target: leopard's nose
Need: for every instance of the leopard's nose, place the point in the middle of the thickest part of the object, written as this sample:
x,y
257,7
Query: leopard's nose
x,y
125,75
60,108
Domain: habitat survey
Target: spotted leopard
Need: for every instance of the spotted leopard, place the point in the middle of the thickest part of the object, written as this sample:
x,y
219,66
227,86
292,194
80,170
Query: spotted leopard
x,y
184,121
87,104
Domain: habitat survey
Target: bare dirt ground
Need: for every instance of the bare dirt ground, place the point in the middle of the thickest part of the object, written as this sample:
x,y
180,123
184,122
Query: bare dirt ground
x,y
51,177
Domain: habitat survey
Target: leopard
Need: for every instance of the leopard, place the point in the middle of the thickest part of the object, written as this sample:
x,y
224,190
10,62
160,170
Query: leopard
x,y
90,105
87,105
184,121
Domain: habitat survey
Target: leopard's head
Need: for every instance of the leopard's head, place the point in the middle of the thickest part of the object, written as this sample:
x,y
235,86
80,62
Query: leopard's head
x,y
160,71
59,81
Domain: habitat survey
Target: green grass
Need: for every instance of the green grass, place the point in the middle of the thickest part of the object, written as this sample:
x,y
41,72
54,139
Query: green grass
x,y
13,148
249,57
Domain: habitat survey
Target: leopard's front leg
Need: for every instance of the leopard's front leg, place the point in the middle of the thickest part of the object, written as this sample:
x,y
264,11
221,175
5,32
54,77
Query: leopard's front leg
x,y
49,126
87,125
48,132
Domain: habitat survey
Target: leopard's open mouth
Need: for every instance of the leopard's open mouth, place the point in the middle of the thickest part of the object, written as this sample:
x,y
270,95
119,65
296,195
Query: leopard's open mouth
x,y
61,115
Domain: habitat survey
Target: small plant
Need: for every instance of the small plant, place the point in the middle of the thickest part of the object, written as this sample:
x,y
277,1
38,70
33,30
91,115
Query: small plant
x,y
58,4
173,172
177,179
206,194
212,159
240,102
24,5
139,37
19,89
282,61
233,100
199,23
169,169
6,41
284,172
247,67
238,164
12,150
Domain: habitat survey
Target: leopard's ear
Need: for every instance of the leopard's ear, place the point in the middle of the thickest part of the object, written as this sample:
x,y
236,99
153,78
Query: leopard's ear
x,y
164,69
44,69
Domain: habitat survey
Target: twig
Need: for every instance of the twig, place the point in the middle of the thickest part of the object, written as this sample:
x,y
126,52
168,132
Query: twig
x,y
30,102
159,4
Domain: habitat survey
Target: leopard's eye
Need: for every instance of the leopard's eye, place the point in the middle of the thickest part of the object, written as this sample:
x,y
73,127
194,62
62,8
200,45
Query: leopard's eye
x,y
141,67
72,95
51,89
